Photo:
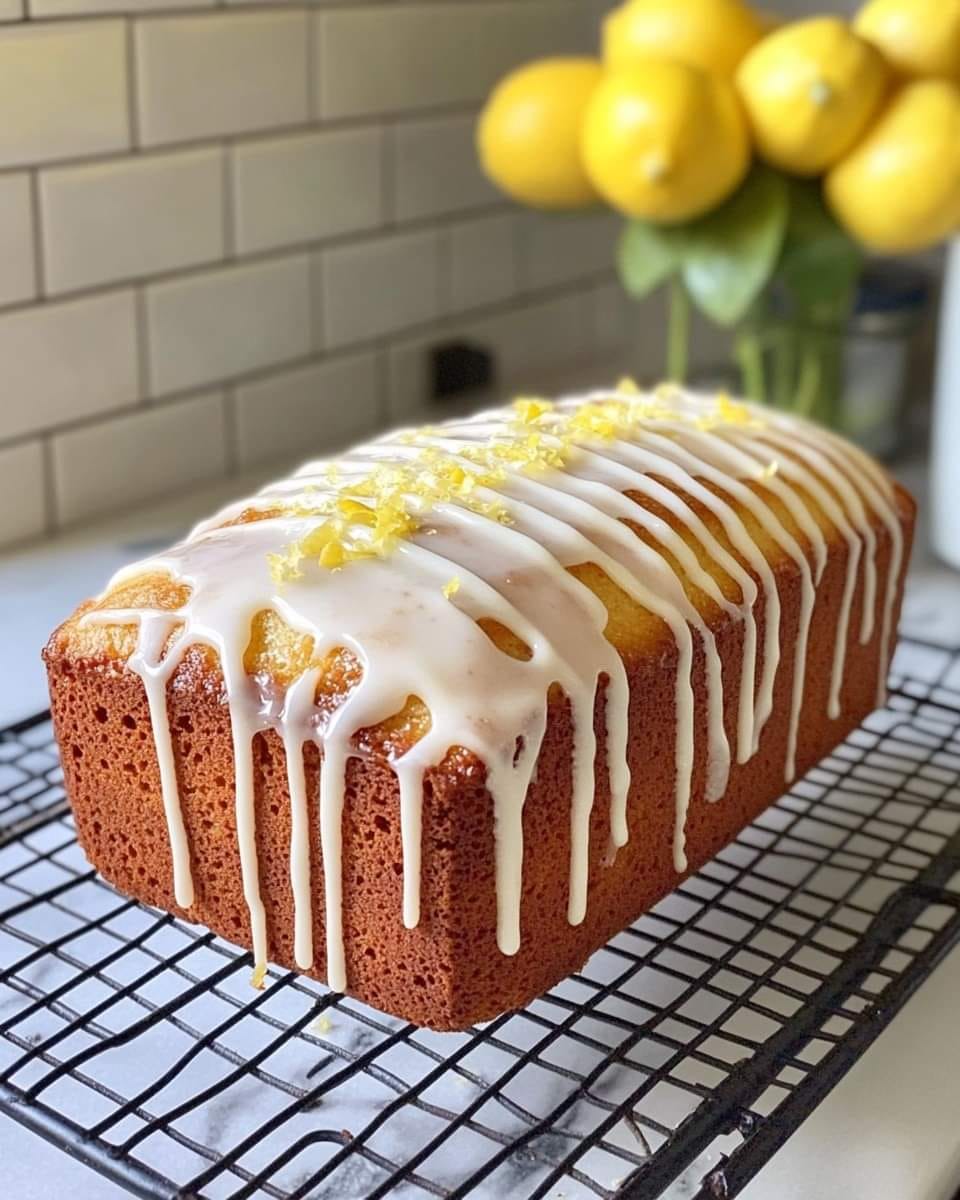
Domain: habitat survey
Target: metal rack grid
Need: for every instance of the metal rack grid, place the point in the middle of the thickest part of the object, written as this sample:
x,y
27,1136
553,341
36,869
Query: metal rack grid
x,y
681,1057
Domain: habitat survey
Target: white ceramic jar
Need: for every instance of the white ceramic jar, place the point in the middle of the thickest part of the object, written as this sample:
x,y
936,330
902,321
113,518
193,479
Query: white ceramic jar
x,y
945,448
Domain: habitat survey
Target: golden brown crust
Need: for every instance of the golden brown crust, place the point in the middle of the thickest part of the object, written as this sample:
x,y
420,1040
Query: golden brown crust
x,y
448,972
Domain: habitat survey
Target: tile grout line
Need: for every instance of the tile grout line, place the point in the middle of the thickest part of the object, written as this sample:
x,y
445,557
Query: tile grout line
x,y
133,114
39,258
314,33
229,207
142,334
316,273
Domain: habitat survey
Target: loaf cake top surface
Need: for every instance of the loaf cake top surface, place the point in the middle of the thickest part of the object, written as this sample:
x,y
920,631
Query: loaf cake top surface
x,y
434,588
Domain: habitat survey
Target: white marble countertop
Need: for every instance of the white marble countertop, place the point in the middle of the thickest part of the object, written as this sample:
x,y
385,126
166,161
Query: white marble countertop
x,y
888,1130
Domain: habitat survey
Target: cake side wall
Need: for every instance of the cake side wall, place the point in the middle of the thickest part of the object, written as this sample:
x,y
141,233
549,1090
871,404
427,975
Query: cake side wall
x,y
448,972
112,779
643,871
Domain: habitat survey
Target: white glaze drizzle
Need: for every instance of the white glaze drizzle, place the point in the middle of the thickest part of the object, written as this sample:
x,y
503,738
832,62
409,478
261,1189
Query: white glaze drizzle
x,y
412,640
818,543
295,718
586,534
636,460
876,488
694,468
733,461
614,474
855,544
149,664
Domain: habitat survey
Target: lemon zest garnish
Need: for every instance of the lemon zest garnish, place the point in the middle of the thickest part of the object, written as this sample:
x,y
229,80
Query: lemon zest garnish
x,y
332,555
451,587
357,511
365,517
529,408
730,412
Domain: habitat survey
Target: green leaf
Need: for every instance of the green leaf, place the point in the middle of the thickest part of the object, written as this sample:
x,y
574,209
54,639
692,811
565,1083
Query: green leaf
x,y
730,254
648,254
820,264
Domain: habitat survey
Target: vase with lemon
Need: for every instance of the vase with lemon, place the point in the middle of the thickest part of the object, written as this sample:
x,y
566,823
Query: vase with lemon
x,y
757,163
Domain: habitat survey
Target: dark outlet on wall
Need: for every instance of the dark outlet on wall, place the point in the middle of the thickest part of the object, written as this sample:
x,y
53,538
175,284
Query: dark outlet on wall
x,y
458,367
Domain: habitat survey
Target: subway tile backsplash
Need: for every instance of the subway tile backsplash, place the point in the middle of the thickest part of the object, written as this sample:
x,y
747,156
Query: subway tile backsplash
x,y
66,361
220,324
359,286
483,262
131,217
231,232
435,169
208,74
304,188
324,404
138,455
63,90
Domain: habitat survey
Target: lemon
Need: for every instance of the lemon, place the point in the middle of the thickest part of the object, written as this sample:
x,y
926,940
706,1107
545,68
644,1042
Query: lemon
x,y
918,37
899,188
528,135
664,141
810,89
711,34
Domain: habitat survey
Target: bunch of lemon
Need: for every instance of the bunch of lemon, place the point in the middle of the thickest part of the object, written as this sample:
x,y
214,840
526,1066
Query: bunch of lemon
x,y
688,92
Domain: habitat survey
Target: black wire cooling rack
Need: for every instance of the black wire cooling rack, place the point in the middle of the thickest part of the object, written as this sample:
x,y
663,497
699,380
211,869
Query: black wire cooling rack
x,y
677,1062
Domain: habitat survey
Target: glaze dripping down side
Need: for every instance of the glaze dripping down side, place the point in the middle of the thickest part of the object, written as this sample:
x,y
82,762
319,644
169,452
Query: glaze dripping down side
x,y
409,549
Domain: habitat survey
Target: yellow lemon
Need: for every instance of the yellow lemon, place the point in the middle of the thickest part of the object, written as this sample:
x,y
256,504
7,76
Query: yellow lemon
x,y
711,34
918,37
665,141
810,89
528,135
899,188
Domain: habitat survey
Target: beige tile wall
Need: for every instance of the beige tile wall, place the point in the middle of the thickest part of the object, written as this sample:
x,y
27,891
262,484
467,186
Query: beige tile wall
x,y
230,233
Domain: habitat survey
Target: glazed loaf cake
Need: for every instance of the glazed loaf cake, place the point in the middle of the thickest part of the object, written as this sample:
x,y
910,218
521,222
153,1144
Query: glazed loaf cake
x,y
433,722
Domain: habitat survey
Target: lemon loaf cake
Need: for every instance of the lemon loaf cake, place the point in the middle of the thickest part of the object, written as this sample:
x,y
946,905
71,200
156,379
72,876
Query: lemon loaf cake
x,y
433,721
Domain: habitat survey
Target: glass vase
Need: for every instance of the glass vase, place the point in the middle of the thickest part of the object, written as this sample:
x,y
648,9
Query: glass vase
x,y
852,376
